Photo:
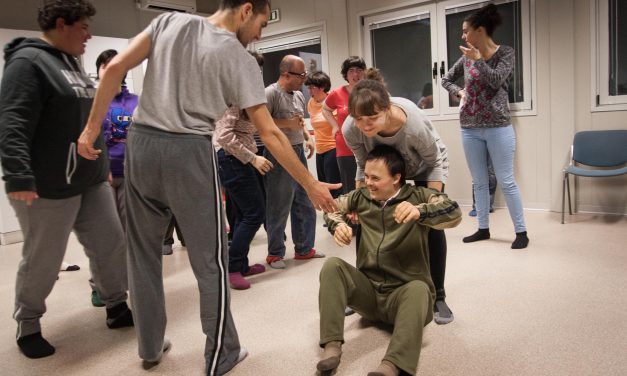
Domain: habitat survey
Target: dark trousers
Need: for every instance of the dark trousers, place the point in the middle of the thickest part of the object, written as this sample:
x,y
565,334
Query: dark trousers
x,y
437,255
169,232
348,171
328,171
241,185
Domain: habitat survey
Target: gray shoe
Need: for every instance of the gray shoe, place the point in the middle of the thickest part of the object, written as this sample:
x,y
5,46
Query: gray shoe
x,y
278,264
442,314
348,311
150,363
166,249
243,353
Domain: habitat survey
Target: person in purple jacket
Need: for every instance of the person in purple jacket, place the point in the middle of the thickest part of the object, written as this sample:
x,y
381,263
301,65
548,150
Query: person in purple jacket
x,y
114,128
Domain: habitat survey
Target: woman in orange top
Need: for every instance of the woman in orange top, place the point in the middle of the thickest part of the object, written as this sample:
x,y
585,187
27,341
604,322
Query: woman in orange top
x,y
319,85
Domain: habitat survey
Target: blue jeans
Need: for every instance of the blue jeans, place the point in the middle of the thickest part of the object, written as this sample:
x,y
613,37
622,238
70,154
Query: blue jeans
x,y
491,185
242,187
328,171
501,144
285,197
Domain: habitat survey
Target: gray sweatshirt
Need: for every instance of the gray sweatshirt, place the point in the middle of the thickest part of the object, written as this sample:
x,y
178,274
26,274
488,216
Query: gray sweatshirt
x,y
486,103
425,154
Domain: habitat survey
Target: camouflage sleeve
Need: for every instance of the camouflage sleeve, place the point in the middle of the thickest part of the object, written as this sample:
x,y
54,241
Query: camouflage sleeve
x,y
336,218
437,210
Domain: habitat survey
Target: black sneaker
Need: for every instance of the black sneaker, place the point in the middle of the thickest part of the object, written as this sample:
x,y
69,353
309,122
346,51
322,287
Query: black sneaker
x,y
35,346
119,316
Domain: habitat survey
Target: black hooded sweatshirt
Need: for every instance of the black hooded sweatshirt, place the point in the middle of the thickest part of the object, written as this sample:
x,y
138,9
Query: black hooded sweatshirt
x,y
45,99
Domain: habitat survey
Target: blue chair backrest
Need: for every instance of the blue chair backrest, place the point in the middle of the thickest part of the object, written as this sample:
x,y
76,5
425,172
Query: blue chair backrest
x,y
600,148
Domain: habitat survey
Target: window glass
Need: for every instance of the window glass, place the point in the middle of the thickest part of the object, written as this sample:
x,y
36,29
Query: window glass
x,y
402,52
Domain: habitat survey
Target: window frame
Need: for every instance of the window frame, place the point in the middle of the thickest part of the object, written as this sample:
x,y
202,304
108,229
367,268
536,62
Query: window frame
x,y
600,100
273,41
444,111
400,16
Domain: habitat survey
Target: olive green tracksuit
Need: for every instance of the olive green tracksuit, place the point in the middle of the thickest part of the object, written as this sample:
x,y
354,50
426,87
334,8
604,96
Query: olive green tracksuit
x,y
392,282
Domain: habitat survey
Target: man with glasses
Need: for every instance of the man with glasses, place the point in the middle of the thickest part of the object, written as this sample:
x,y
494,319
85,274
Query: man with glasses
x,y
283,195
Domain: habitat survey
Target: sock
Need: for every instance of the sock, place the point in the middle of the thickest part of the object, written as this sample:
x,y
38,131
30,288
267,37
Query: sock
x,y
481,234
35,346
521,240
330,356
386,368
119,316
442,314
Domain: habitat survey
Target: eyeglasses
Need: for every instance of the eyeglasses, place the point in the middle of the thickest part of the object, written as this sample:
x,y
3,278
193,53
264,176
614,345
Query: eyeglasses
x,y
301,75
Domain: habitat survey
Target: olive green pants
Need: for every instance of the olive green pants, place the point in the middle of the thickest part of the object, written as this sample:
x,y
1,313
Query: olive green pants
x,y
408,308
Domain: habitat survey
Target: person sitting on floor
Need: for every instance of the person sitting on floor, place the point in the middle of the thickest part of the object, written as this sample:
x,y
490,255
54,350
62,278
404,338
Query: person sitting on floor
x,y
392,282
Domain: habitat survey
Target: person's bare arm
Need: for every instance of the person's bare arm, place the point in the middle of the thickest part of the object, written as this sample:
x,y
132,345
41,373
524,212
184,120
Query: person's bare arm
x,y
279,146
327,112
131,57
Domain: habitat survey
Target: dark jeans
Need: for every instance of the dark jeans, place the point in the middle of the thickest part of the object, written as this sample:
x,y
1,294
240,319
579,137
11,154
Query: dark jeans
x,y
328,171
168,239
348,171
437,255
242,187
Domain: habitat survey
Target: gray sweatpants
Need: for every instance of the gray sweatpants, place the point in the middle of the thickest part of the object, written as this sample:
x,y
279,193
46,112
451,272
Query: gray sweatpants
x,y
46,226
175,174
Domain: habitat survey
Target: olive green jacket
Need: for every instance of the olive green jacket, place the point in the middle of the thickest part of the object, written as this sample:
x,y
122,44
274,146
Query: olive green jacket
x,y
392,254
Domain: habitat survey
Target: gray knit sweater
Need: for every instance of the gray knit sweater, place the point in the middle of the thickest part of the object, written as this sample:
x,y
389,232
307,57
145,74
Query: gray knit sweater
x,y
486,103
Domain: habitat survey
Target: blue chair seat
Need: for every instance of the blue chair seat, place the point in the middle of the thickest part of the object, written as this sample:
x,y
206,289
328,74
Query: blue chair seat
x,y
595,173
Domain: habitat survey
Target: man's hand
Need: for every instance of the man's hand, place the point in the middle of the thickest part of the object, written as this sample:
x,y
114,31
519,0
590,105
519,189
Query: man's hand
x,y
110,178
310,146
321,197
86,144
26,196
406,212
343,234
262,164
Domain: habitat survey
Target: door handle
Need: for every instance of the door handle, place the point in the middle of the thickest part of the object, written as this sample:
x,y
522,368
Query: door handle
x,y
435,70
442,70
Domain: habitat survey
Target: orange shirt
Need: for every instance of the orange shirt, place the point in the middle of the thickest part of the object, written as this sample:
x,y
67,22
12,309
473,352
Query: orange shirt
x,y
322,129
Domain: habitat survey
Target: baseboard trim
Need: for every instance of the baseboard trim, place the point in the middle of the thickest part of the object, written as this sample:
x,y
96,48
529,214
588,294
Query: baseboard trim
x,y
11,237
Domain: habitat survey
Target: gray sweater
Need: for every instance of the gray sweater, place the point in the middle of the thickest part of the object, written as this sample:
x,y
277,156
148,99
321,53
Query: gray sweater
x,y
486,103
425,154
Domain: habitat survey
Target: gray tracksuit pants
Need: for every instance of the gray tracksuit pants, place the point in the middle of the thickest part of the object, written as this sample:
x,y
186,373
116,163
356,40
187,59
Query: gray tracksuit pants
x,y
46,226
175,174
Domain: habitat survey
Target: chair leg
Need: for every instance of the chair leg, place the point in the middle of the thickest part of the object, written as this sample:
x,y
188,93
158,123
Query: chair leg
x,y
563,195
570,209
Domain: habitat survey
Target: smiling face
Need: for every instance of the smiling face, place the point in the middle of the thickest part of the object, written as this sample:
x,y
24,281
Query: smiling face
x,y
75,36
373,124
380,182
